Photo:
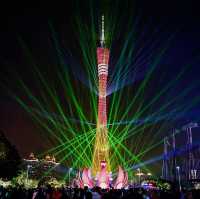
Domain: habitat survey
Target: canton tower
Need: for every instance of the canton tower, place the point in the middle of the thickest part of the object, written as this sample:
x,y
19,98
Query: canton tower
x,y
101,147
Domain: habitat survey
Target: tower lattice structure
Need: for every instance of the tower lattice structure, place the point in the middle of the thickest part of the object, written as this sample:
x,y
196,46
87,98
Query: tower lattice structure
x,y
101,147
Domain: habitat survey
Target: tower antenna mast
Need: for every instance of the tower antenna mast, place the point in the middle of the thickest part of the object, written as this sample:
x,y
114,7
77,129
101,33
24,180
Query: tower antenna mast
x,y
102,39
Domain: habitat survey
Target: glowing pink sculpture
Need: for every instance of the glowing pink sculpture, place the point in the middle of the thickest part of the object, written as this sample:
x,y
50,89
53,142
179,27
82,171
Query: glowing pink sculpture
x,y
122,179
78,182
103,177
86,178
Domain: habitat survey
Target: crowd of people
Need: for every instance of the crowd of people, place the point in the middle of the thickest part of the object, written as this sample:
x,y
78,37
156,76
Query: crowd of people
x,y
47,192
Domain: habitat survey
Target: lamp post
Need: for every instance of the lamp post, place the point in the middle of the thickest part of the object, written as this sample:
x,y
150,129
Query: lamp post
x,y
139,175
149,174
70,169
27,172
179,177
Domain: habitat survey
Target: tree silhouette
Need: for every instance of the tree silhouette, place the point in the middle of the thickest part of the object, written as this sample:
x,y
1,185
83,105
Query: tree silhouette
x,y
10,159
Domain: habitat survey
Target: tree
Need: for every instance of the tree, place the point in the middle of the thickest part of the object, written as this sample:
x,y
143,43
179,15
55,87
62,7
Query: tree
x,y
10,159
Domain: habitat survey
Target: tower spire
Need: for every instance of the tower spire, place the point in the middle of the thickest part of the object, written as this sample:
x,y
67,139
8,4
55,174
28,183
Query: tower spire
x,y
102,39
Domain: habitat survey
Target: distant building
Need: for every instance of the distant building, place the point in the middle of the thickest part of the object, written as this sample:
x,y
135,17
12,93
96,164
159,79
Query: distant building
x,y
37,168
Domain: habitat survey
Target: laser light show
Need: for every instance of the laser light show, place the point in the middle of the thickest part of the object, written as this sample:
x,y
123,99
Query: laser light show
x,y
100,97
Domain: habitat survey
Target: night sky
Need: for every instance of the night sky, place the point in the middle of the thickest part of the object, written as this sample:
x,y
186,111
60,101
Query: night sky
x,y
30,22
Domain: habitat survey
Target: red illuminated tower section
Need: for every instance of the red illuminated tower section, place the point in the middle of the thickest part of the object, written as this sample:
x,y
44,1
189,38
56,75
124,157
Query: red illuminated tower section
x,y
101,147
103,58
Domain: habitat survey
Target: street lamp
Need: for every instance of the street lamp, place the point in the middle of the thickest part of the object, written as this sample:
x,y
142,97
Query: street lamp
x,y
179,177
139,174
149,174
70,169
27,172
